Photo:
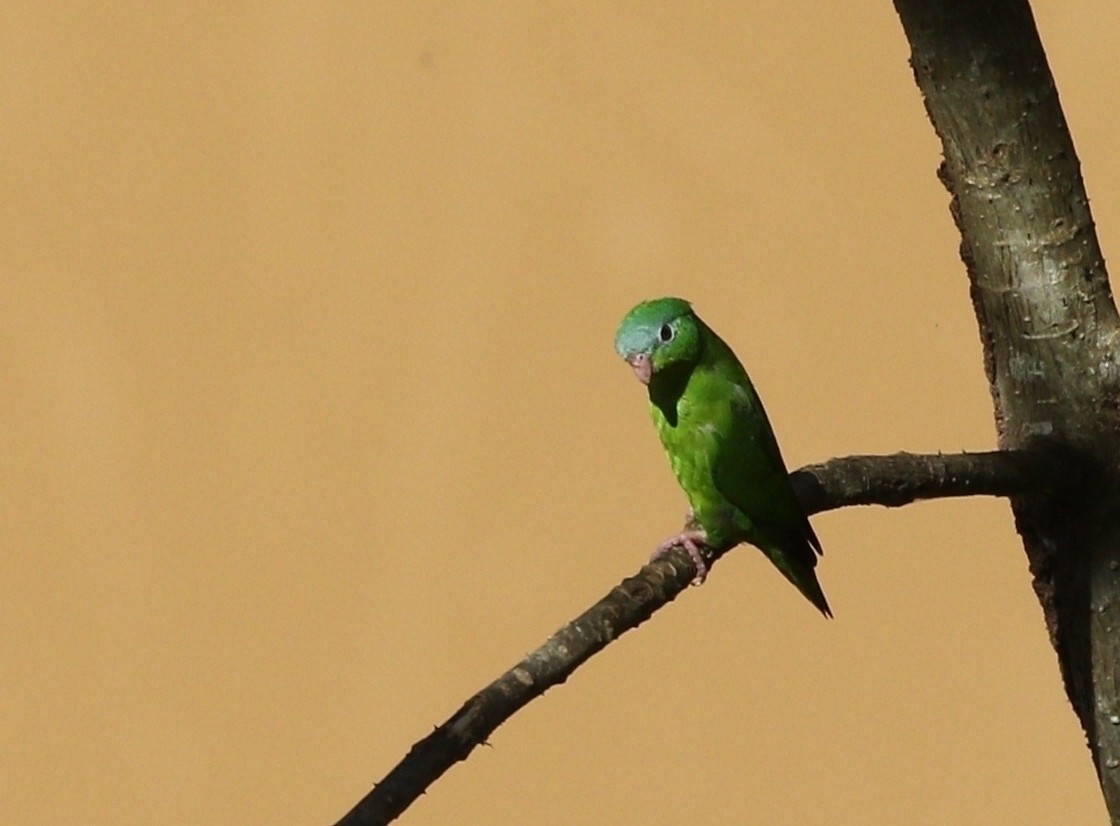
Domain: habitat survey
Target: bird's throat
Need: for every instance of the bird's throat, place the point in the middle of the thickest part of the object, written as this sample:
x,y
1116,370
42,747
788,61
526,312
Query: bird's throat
x,y
666,388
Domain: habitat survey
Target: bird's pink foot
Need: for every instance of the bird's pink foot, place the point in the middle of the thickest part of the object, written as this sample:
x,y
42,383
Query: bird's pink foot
x,y
691,541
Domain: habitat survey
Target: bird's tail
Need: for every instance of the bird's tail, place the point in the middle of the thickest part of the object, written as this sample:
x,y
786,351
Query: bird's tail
x,y
806,582
803,577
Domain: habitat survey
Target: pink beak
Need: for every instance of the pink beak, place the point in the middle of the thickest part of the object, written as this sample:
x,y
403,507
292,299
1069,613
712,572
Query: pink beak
x,y
643,369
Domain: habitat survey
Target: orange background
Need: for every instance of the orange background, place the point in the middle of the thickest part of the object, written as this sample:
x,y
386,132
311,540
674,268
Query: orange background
x,y
312,423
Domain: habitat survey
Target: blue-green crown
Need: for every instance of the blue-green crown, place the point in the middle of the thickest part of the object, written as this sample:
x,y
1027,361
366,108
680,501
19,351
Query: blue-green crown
x,y
638,331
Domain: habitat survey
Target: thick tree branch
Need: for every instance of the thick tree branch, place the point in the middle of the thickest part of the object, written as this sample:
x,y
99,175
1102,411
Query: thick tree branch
x,y
1048,324
854,480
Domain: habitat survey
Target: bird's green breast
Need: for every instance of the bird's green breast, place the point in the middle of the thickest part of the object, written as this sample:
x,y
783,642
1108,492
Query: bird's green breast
x,y
693,430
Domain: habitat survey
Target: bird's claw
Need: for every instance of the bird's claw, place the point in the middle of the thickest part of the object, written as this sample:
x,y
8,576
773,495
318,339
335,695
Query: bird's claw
x,y
691,541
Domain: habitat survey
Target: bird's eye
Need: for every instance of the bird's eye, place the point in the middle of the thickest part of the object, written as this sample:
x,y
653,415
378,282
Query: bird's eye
x,y
665,333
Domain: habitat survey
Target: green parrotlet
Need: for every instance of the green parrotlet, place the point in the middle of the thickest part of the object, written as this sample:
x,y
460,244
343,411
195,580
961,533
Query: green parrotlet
x,y
719,442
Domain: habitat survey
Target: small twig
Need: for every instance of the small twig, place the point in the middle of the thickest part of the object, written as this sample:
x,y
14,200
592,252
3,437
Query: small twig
x,y
854,480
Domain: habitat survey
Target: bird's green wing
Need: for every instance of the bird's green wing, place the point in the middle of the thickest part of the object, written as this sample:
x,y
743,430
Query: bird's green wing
x,y
748,468
749,472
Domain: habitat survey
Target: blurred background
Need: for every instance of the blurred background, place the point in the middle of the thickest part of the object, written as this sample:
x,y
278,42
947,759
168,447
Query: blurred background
x,y
312,423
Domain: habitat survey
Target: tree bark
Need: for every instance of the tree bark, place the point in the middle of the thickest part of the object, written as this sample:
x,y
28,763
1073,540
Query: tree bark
x,y
1047,321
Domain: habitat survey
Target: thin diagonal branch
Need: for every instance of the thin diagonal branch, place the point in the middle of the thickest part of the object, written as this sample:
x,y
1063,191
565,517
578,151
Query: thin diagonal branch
x,y
854,480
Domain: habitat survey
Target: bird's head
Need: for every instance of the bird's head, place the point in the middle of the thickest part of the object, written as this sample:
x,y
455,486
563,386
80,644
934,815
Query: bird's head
x,y
659,335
